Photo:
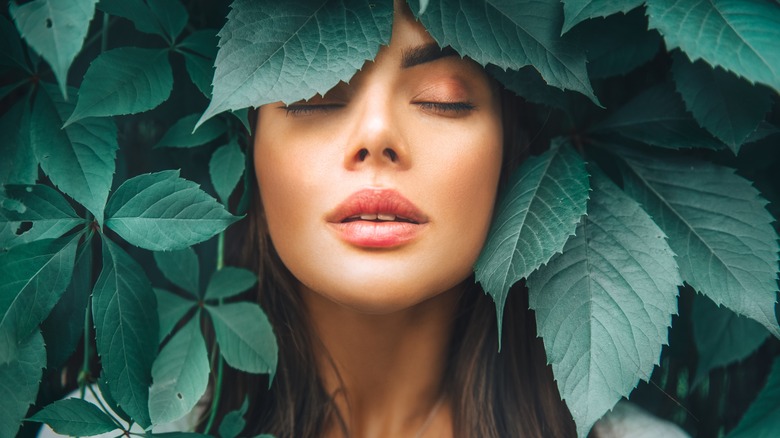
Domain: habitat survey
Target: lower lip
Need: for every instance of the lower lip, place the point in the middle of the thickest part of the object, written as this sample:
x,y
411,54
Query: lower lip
x,y
369,234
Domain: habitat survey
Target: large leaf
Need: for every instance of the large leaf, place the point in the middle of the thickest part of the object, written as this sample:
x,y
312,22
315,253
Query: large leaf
x,y
722,337
183,135
729,107
717,225
511,34
762,419
80,158
740,36
124,309
45,210
75,417
180,268
56,29
180,374
576,11
19,165
19,381
171,308
34,277
161,212
229,281
270,51
166,18
225,168
657,117
245,337
604,305
546,197
126,80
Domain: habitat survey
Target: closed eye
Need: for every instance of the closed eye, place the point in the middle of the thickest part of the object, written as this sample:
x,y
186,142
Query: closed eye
x,y
309,109
447,108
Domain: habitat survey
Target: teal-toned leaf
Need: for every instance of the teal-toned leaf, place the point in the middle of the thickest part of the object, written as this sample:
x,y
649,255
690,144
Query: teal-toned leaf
x,y
184,135
80,158
11,53
171,15
229,281
56,30
722,337
180,268
293,50
138,12
202,42
762,419
45,209
19,165
243,116
233,423
511,34
226,167
544,201
75,417
200,49
245,337
124,309
657,117
34,277
19,381
717,225
127,80
618,44
603,306
201,72
162,212
577,11
171,308
740,36
728,107
528,84
109,399
180,374
64,326
763,131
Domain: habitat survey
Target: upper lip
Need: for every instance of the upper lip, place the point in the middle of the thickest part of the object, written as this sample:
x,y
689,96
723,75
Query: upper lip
x,y
377,202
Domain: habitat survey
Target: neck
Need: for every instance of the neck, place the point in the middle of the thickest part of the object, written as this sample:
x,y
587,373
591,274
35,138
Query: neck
x,y
385,372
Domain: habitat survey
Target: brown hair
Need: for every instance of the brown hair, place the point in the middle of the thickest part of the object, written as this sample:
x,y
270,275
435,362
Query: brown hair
x,y
506,394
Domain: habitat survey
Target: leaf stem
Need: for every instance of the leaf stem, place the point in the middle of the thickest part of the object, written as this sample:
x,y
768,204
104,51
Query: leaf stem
x,y
217,393
105,409
221,251
104,34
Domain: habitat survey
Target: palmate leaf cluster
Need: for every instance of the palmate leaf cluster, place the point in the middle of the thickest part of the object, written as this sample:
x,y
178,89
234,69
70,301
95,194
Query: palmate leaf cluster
x,y
644,224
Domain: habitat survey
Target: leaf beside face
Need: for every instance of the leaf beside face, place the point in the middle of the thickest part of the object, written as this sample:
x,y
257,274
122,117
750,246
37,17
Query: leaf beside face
x,y
225,168
717,225
20,379
603,306
126,329
245,337
544,201
162,212
74,417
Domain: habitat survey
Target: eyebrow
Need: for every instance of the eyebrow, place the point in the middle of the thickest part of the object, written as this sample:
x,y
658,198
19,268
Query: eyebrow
x,y
425,53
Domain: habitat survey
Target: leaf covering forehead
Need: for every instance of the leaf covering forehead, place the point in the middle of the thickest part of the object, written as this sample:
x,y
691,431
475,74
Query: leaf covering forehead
x,y
274,50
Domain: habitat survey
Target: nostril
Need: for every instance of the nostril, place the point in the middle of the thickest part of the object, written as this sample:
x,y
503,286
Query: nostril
x,y
362,154
389,153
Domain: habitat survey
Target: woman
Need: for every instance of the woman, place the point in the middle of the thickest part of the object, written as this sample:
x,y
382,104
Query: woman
x,y
374,203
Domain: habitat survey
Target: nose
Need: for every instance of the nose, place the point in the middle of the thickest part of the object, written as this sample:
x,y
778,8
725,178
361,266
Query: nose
x,y
377,137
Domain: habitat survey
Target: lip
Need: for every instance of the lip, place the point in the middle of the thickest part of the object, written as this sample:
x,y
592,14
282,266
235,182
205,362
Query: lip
x,y
411,221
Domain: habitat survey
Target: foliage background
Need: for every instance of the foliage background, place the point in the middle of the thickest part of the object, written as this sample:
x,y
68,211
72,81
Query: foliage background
x,y
660,134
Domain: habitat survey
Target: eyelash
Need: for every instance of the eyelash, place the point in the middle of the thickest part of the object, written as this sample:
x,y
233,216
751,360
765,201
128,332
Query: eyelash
x,y
305,110
440,107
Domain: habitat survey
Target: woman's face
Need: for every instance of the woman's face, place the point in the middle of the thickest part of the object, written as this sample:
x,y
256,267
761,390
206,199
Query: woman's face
x,y
379,195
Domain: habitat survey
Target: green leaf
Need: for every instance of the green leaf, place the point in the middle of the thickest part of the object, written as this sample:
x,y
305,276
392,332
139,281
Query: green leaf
x,y
226,167
20,379
126,329
528,84
722,337
171,308
162,212
34,277
603,306
74,417
577,11
80,158
717,225
762,419
203,42
109,399
293,50
657,117
728,107
545,199
740,36
11,53
146,18
180,268
19,165
229,281
511,34
200,49
45,209
64,326
127,80
180,374
56,29
233,423
245,337
183,133
201,72
171,15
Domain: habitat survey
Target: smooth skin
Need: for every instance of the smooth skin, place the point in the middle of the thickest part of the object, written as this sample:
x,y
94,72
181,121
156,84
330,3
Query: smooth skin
x,y
426,124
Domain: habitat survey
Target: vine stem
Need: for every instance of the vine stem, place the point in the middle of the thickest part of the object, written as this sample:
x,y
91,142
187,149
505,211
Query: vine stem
x,y
221,251
83,378
105,410
104,34
220,362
